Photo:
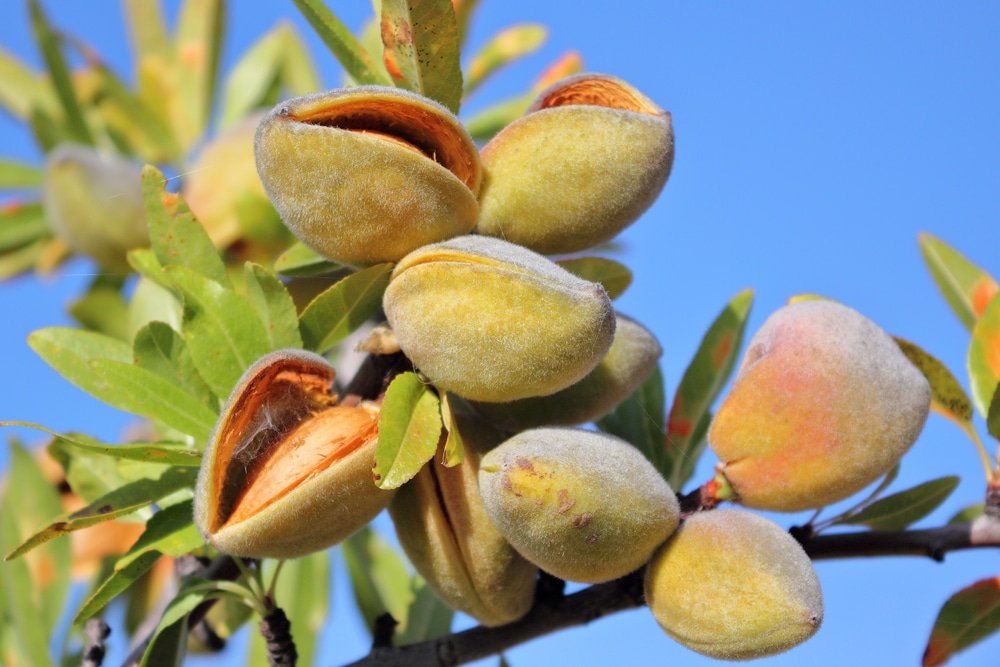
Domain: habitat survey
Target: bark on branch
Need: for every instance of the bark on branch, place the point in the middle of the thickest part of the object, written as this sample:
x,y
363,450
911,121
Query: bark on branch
x,y
548,616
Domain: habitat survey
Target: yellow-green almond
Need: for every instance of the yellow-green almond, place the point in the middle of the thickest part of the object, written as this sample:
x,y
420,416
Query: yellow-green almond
x,y
734,586
824,403
367,174
443,527
287,471
580,505
631,358
589,157
93,201
492,321
226,195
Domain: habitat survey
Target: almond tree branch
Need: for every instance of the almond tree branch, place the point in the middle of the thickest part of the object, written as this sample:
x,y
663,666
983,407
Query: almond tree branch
x,y
548,615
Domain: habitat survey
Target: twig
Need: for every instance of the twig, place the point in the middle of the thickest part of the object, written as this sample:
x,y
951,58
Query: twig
x,y
626,593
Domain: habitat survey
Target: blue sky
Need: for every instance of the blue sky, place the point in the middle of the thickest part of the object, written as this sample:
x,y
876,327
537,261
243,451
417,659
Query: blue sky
x,y
814,141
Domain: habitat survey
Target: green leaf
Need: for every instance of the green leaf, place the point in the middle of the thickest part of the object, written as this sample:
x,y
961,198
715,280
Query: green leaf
x,y
639,420
342,44
21,224
967,514
48,44
16,262
35,587
170,532
88,474
161,350
302,261
969,616
102,308
349,303
222,331
984,357
274,305
427,616
20,87
298,73
966,287
120,580
117,503
14,174
159,453
409,427
899,510
614,276
169,641
197,46
379,577
703,379
993,414
255,74
146,27
70,351
947,396
421,48
143,392
176,237
129,114
302,593
502,49
464,9
48,133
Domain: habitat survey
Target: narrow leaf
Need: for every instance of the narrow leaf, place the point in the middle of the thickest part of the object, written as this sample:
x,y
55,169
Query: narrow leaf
x,y
176,237
984,357
161,453
274,306
169,641
614,276
342,44
146,27
48,44
143,392
254,75
117,503
966,287
20,87
298,73
129,114
947,396
969,616
197,46
221,329
21,224
378,577
16,262
464,9
993,414
102,308
427,616
37,585
421,48
502,49
170,532
160,349
14,174
302,261
70,351
899,510
704,378
117,583
639,420
348,304
409,428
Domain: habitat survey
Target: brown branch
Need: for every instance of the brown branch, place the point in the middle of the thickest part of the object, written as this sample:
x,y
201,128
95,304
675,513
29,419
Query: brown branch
x,y
548,616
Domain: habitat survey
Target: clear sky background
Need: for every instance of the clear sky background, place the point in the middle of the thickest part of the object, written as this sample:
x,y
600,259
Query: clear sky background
x,y
814,141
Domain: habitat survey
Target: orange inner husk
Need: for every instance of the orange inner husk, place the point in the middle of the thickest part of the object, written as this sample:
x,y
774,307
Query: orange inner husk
x,y
304,452
598,92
